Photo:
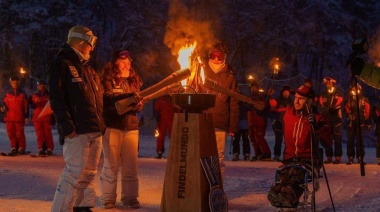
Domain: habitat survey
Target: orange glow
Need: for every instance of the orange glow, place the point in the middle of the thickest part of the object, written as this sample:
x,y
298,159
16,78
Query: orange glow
x,y
22,71
331,89
250,77
156,133
202,71
184,55
261,90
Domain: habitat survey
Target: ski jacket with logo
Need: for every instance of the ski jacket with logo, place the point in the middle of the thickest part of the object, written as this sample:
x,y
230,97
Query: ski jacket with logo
x,y
38,102
16,103
330,105
298,134
112,93
76,95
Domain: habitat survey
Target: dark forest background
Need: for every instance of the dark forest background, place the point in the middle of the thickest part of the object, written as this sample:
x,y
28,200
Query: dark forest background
x,y
310,37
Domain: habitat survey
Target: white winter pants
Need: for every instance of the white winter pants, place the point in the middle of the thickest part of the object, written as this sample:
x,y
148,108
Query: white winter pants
x,y
220,136
119,149
75,186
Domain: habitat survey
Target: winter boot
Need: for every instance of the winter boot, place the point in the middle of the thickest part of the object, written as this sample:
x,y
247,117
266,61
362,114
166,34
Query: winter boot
x,y
246,157
337,160
159,155
236,157
41,152
49,152
277,158
254,158
328,161
82,209
13,152
350,161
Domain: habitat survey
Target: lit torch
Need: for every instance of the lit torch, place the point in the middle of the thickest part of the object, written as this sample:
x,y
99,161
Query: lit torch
x,y
22,72
162,87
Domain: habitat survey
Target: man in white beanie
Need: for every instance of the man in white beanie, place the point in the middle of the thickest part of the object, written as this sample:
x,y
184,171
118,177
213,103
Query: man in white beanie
x,y
76,99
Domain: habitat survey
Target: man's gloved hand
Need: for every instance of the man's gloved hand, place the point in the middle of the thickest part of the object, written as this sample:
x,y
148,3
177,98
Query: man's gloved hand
x,y
311,119
356,66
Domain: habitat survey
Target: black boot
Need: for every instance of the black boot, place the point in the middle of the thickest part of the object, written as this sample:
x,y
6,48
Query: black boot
x,y
82,209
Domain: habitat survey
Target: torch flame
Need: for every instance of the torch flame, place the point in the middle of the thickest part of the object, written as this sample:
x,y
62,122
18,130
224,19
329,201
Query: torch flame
x,y
184,57
22,71
156,133
250,77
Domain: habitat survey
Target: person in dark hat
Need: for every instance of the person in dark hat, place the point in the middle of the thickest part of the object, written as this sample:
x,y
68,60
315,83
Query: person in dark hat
x,y
16,116
278,108
330,104
42,123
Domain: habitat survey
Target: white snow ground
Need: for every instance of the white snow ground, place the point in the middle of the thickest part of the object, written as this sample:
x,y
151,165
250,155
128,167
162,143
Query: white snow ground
x,y
28,184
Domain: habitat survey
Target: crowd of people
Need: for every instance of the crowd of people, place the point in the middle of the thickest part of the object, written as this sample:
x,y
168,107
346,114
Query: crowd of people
x,y
89,123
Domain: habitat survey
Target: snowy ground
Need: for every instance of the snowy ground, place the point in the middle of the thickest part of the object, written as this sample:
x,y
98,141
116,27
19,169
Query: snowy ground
x,y
28,184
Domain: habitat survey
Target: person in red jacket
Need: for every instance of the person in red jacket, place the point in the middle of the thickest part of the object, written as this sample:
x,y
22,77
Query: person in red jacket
x,y
350,110
301,148
16,116
165,110
297,128
42,124
257,122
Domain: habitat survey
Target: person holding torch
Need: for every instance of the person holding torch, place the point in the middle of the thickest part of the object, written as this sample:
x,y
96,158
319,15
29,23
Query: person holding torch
x,y
226,110
330,104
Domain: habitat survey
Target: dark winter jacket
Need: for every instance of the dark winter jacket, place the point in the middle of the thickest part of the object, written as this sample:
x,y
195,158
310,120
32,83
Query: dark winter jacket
x,y
16,103
112,93
226,110
76,95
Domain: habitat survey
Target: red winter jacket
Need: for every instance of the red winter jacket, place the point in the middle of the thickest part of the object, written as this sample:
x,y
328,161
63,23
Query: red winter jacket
x,y
16,103
297,134
38,102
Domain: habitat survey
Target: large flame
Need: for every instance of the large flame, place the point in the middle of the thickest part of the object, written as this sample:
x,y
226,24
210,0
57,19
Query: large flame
x,y
184,57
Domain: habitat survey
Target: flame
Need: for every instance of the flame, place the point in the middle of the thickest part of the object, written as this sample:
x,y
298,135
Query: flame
x,y
184,54
22,71
261,90
202,71
156,133
331,89
250,77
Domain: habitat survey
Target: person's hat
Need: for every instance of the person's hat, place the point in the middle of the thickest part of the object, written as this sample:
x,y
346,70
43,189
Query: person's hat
x,y
218,51
328,79
41,82
306,91
81,33
308,81
285,88
122,55
14,78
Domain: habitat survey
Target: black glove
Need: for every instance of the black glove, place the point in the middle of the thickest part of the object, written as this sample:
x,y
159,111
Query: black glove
x,y
311,119
356,66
